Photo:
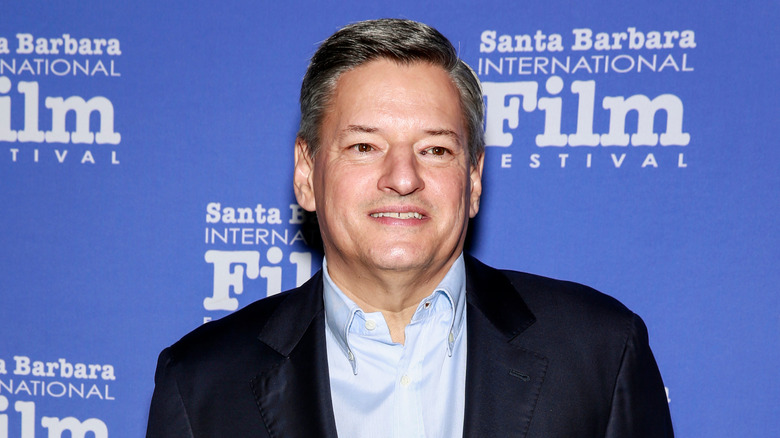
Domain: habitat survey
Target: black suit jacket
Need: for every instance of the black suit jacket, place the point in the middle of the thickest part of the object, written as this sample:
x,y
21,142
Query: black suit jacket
x,y
545,359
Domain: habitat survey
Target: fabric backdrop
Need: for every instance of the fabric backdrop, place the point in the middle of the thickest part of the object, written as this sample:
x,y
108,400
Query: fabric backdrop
x,y
146,154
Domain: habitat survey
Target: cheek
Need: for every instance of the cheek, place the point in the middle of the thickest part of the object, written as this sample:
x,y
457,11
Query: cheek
x,y
453,188
340,200
327,179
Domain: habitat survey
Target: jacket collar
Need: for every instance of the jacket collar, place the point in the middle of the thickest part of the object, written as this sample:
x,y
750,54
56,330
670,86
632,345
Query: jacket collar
x,y
292,318
490,292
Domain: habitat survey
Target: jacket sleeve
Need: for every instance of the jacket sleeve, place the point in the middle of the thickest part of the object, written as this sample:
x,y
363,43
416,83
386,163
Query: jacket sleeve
x,y
639,406
167,414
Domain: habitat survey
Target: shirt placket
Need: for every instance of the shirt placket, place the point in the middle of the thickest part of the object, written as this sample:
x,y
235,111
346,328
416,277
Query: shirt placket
x,y
409,417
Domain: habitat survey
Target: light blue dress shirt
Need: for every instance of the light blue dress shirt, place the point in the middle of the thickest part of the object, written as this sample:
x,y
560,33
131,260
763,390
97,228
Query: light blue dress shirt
x,y
383,389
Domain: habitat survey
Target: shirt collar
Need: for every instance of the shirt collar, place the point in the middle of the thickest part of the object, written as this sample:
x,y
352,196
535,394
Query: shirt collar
x,y
340,311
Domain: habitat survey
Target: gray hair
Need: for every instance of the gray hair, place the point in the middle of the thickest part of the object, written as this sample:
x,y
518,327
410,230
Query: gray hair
x,y
403,41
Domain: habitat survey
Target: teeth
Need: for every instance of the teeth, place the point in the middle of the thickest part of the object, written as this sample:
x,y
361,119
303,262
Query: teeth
x,y
413,215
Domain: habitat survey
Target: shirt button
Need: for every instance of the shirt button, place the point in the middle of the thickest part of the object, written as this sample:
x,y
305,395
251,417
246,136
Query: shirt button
x,y
405,380
370,324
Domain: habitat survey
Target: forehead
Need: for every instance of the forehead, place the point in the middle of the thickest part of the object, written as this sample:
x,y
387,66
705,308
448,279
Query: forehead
x,y
384,92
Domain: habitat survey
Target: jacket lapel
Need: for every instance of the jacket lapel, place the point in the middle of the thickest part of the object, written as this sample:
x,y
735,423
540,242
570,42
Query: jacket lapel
x,y
293,390
503,380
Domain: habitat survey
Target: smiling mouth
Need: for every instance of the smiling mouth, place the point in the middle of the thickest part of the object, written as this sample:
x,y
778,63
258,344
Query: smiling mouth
x,y
410,215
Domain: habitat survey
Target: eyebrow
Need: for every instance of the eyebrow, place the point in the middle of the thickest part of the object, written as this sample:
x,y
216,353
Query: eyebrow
x,y
360,129
370,130
443,132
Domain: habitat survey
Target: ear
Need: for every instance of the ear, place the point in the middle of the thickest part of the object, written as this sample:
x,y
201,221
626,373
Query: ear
x,y
476,185
303,176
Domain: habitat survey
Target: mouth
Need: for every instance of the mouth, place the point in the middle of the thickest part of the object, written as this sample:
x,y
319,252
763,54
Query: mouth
x,y
398,215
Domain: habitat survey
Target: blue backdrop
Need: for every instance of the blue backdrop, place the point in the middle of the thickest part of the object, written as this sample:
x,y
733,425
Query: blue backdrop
x,y
146,162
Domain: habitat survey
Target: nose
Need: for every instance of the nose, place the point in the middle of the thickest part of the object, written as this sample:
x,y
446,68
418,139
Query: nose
x,y
401,171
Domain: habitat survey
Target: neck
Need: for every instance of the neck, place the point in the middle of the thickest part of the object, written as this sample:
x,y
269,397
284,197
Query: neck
x,y
394,293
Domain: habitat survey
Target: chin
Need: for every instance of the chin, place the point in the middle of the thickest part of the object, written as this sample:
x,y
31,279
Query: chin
x,y
401,259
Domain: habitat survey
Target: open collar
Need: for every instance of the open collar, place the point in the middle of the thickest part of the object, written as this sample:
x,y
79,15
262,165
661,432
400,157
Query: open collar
x,y
341,312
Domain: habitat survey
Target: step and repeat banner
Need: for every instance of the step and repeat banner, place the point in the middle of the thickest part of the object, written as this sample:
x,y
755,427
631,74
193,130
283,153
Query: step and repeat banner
x,y
146,153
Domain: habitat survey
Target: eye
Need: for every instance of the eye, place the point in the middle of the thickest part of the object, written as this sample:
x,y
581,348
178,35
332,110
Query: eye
x,y
362,147
436,151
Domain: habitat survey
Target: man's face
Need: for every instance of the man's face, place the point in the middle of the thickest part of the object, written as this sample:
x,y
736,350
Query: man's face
x,y
391,182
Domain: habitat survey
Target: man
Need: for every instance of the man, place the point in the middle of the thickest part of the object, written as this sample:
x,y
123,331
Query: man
x,y
400,334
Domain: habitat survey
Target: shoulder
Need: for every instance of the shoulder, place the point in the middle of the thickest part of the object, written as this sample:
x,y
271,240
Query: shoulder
x,y
548,297
219,361
239,327
224,347
562,312
236,337
542,295
599,353
577,326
